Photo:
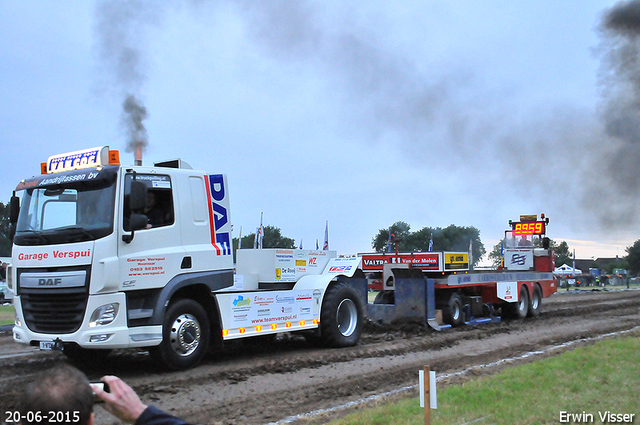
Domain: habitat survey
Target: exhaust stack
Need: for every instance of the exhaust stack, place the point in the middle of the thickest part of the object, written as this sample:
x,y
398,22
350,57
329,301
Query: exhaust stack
x,y
134,113
137,154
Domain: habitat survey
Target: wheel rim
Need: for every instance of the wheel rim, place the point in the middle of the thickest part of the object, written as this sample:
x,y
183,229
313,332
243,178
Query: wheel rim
x,y
455,311
185,335
535,301
347,317
522,304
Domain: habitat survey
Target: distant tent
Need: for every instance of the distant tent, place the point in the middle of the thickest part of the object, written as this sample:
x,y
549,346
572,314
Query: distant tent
x,y
566,270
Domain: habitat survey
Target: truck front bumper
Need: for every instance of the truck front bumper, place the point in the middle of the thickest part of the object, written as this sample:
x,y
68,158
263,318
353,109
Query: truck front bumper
x,y
115,334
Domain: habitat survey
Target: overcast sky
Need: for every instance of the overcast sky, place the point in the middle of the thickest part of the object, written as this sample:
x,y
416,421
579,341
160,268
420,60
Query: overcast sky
x,y
361,113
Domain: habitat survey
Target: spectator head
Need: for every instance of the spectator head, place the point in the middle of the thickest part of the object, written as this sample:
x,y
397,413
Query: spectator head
x,y
60,389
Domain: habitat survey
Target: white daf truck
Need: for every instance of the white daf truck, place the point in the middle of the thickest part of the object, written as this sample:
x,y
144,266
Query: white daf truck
x,y
109,256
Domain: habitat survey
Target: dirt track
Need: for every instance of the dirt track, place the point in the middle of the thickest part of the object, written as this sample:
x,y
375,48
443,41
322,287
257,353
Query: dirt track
x,y
269,381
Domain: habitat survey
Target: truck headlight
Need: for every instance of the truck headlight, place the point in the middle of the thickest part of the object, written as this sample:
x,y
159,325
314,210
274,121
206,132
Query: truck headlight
x,y
104,315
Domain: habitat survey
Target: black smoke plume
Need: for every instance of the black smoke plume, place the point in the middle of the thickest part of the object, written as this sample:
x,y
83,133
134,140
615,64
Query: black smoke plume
x,y
620,110
134,113
120,34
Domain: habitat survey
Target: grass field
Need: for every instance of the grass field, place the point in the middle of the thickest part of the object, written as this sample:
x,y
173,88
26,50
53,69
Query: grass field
x,y
591,380
7,315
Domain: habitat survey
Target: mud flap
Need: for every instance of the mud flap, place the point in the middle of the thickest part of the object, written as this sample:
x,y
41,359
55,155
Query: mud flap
x,y
431,305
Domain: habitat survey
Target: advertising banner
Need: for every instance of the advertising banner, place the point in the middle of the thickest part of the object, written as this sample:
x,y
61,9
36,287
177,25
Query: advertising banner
x,y
420,260
263,308
456,261
518,259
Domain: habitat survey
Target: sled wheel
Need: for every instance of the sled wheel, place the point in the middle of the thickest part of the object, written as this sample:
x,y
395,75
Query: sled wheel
x,y
185,336
452,312
536,301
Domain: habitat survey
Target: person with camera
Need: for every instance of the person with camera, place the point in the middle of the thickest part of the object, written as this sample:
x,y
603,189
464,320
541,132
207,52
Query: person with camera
x,y
122,402
63,394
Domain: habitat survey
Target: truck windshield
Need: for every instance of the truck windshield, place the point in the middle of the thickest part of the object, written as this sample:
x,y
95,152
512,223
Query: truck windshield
x,y
65,213
512,240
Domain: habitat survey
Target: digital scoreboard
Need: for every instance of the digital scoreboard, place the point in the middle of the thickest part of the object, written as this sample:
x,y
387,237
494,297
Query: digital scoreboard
x,y
528,228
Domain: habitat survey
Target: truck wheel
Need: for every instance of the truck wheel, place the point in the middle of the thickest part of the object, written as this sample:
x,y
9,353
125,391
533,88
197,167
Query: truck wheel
x,y
185,335
385,297
85,357
536,301
452,312
341,318
520,309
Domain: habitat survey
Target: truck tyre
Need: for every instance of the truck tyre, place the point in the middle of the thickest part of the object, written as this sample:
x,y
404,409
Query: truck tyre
x,y
385,297
536,301
83,356
341,318
518,310
452,311
185,336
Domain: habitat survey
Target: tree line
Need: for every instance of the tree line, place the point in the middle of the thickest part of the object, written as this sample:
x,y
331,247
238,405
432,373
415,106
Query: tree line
x,y
450,238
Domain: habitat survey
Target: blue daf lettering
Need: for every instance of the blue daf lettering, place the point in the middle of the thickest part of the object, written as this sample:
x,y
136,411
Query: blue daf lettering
x,y
216,183
220,216
217,186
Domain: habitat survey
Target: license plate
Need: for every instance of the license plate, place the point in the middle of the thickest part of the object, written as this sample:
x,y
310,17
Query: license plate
x,y
47,345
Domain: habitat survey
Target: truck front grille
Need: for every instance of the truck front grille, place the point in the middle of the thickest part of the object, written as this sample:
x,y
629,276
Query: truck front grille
x,y
58,308
54,311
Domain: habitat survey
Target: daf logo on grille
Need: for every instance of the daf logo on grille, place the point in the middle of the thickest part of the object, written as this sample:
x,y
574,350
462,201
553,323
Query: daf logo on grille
x,y
70,279
50,282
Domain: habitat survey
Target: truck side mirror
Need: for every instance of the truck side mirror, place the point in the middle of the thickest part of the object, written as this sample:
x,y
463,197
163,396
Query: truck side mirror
x,y
14,211
14,208
137,202
138,221
138,196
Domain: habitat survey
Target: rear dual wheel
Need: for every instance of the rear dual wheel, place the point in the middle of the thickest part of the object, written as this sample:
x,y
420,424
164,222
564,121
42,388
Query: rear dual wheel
x,y
536,301
520,309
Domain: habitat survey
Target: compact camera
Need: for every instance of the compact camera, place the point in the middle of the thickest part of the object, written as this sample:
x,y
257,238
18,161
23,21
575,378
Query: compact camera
x,y
102,385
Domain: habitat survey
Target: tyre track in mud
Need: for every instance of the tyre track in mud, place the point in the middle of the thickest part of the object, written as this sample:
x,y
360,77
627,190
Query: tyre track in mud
x,y
266,381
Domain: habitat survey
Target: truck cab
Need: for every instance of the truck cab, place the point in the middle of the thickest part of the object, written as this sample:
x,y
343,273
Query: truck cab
x,y
100,249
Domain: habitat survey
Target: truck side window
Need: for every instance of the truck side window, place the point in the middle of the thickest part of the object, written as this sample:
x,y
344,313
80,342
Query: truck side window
x,y
159,205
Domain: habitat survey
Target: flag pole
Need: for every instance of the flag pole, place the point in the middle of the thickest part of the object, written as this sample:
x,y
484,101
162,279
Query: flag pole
x,y
325,247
